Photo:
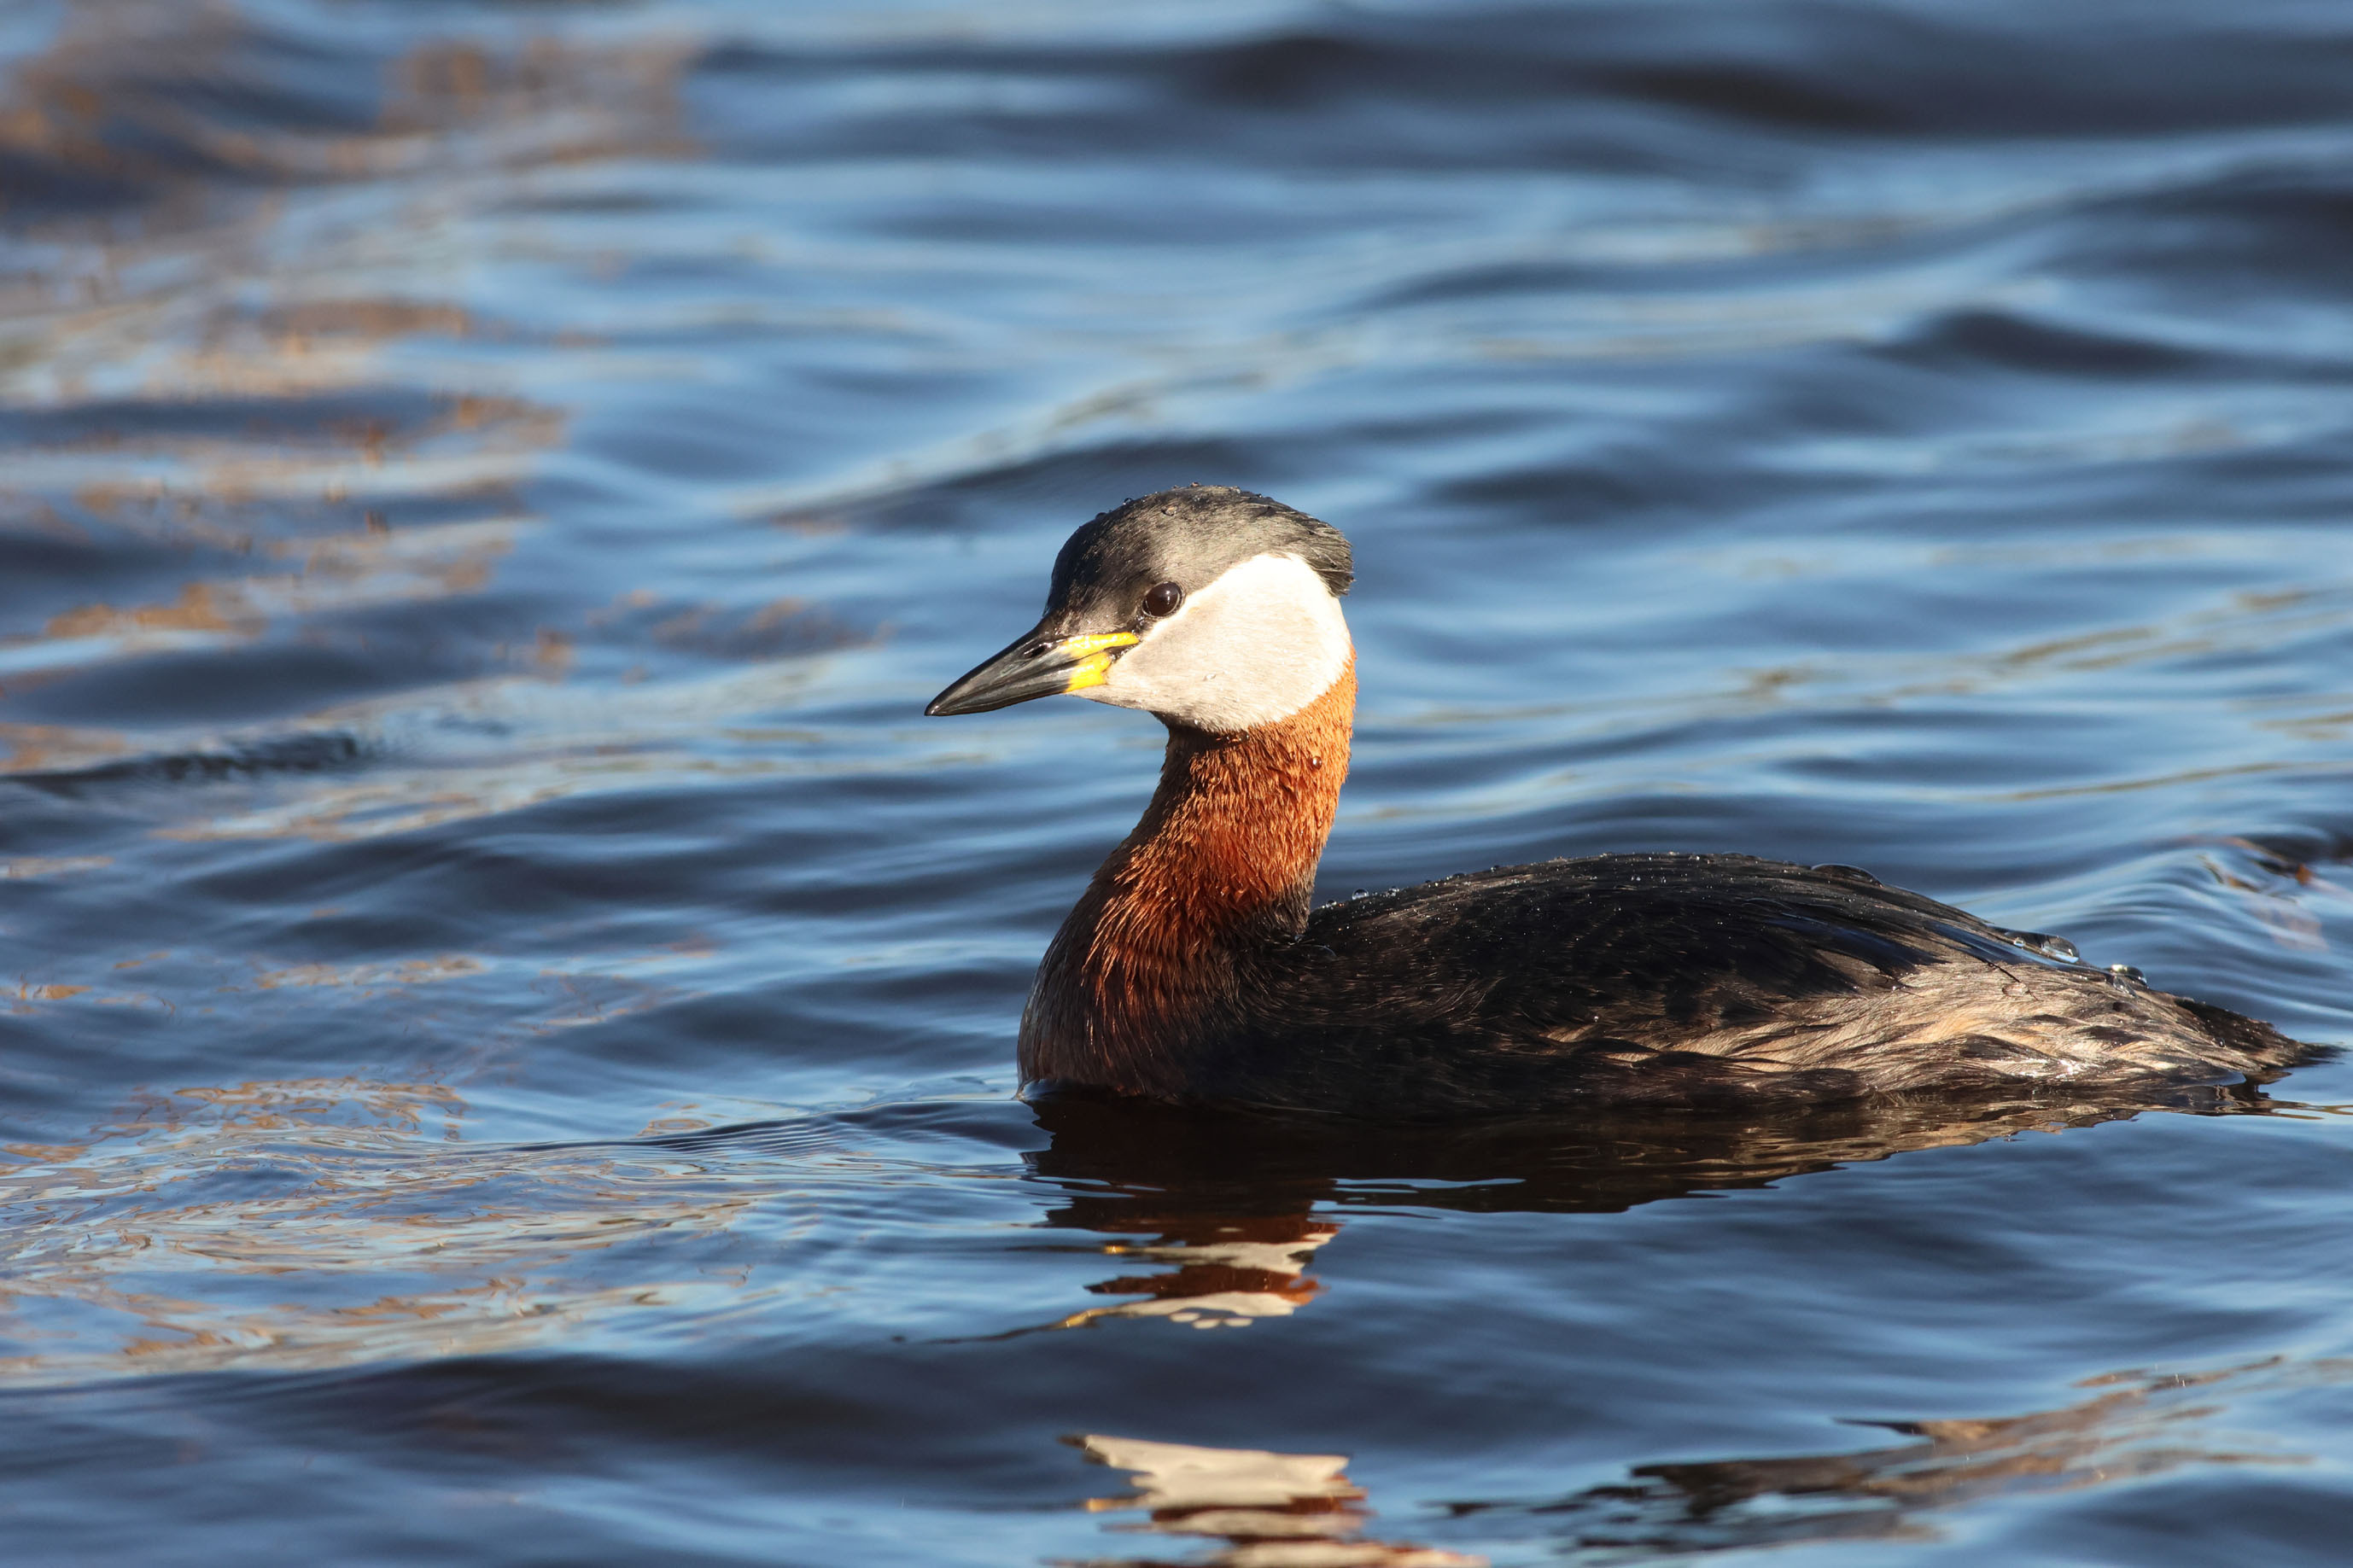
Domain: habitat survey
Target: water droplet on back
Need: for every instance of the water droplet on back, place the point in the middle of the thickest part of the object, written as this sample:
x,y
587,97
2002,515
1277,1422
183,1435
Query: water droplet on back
x,y
2049,946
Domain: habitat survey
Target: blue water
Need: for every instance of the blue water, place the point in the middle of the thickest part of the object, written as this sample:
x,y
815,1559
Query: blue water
x,y
505,1055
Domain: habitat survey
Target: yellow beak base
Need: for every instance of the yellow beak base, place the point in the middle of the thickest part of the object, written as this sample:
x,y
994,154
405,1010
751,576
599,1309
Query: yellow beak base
x,y
1094,661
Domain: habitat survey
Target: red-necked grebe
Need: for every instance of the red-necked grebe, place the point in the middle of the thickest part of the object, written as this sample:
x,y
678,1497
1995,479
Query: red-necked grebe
x,y
1193,967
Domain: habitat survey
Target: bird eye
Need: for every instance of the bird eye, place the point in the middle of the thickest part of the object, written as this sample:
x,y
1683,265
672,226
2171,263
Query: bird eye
x,y
1163,599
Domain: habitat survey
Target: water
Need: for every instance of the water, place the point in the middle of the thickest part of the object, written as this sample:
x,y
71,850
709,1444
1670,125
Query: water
x,y
508,1009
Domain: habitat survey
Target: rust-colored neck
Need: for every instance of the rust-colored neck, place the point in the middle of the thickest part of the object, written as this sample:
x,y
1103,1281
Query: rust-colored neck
x,y
1224,858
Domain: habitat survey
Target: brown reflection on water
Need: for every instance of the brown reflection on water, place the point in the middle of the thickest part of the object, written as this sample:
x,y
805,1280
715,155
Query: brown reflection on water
x,y
92,104
2278,888
369,978
250,339
42,748
302,1224
198,370
478,748
332,575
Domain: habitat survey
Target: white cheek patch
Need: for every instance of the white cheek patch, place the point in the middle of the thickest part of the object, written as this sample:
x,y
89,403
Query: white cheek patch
x,y
1258,645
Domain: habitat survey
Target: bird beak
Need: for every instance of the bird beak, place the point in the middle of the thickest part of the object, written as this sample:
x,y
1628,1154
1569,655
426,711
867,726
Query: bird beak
x,y
1036,664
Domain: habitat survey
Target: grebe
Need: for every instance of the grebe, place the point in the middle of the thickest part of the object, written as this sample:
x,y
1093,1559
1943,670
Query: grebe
x,y
1194,969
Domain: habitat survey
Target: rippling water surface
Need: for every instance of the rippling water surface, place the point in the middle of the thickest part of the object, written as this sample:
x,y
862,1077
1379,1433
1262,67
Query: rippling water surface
x,y
509,1011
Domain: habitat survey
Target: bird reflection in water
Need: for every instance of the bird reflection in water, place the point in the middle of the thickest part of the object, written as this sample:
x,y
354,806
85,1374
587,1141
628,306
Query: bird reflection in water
x,y
1238,1202
1299,1510
1272,1511
1243,1271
